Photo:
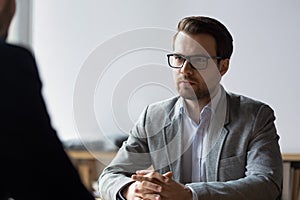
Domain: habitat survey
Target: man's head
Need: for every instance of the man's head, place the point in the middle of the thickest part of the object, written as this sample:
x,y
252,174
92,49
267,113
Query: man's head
x,y
206,25
7,11
202,49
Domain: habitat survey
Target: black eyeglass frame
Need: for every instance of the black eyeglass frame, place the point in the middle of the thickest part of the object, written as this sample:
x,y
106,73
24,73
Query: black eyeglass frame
x,y
187,58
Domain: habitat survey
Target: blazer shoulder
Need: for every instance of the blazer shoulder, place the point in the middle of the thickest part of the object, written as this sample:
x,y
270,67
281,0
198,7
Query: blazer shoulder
x,y
244,100
166,105
159,112
246,105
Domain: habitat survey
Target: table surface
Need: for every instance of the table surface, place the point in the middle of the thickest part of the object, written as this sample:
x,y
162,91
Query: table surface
x,y
81,154
291,157
86,155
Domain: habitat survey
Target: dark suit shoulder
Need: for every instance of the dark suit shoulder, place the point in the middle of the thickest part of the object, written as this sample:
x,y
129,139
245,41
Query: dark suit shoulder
x,y
16,58
14,50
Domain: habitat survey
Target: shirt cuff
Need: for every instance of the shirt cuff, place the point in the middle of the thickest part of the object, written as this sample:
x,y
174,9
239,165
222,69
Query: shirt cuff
x,y
195,196
119,194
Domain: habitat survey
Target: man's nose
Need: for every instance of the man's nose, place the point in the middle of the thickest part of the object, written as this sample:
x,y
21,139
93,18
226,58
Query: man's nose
x,y
186,67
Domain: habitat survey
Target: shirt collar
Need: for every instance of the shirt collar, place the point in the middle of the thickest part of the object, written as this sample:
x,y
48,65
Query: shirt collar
x,y
215,101
211,105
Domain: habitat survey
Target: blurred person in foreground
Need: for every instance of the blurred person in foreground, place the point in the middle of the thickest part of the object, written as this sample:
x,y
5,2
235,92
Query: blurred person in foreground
x,y
34,164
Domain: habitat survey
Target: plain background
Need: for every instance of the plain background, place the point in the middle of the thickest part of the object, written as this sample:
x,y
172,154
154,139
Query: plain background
x,y
63,34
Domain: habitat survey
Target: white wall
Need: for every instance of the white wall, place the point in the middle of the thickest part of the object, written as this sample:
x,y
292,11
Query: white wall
x,y
68,34
20,29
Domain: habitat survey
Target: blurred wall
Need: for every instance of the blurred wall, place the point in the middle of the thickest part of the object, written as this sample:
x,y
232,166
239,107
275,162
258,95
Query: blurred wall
x,y
67,35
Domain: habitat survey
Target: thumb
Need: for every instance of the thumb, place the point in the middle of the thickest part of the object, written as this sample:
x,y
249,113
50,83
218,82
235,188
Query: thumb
x,y
168,175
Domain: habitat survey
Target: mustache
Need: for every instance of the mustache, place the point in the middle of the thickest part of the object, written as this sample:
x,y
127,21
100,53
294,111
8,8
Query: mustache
x,y
186,78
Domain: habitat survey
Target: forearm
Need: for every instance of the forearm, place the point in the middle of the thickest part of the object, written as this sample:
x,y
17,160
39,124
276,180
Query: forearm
x,y
254,187
111,184
119,171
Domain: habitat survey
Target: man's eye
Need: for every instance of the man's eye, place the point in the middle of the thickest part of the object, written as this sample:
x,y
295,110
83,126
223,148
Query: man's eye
x,y
199,59
178,58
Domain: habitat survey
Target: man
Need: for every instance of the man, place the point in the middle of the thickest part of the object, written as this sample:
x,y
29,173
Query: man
x,y
34,164
204,144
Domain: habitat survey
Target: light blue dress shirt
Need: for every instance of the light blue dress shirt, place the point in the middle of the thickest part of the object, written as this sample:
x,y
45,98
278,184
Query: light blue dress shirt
x,y
194,134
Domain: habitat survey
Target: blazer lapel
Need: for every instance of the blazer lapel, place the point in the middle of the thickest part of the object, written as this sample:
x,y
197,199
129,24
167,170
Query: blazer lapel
x,y
212,161
173,136
216,138
175,147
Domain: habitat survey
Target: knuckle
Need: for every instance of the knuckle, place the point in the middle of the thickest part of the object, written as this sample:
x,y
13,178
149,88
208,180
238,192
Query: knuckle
x,y
136,190
168,180
143,183
150,179
152,173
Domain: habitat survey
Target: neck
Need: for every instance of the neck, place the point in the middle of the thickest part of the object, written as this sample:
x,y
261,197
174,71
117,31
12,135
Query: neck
x,y
194,107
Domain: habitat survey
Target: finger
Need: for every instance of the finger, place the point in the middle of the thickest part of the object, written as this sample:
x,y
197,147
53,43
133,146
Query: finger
x,y
142,191
155,175
151,196
143,172
147,187
168,175
154,178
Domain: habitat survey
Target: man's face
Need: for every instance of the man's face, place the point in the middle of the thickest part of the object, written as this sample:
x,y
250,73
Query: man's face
x,y
191,83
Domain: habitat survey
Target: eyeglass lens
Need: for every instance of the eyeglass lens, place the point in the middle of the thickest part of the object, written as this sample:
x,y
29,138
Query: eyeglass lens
x,y
178,61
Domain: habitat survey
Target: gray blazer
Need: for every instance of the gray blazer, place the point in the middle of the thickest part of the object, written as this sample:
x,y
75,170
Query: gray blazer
x,y
243,158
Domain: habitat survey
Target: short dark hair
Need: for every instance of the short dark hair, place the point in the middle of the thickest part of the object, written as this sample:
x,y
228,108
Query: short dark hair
x,y
207,25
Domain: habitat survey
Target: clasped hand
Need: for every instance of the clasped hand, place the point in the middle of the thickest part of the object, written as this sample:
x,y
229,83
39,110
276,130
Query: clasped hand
x,y
151,185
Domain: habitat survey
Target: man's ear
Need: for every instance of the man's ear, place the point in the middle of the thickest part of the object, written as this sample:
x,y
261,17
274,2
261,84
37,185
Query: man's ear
x,y
223,66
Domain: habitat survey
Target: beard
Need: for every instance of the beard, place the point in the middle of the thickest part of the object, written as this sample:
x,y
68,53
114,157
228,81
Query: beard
x,y
194,93
196,88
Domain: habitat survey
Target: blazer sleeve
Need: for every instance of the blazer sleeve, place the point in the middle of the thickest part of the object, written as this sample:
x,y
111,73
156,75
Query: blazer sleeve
x,y
132,156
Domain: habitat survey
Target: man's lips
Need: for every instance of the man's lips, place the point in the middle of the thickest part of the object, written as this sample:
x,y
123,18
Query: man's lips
x,y
187,82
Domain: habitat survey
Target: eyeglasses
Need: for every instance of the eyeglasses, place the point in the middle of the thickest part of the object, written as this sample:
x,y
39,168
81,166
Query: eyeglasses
x,y
199,62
